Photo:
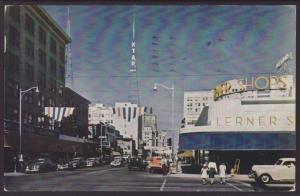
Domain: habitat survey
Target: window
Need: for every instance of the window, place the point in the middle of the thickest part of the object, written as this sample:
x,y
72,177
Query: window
x,y
61,73
42,79
52,86
14,12
62,54
52,66
29,24
53,46
13,61
29,72
29,48
42,59
14,37
42,36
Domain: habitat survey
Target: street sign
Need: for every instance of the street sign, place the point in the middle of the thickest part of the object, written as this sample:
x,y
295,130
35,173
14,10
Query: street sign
x,y
103,137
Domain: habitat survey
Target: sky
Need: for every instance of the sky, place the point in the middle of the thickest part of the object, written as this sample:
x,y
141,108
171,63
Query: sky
x,y
193,47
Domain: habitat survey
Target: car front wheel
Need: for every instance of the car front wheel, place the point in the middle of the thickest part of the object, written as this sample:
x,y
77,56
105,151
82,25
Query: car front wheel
x,y
264,179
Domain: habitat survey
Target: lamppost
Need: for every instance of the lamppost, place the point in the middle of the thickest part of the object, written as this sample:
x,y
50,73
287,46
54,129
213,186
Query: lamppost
x,y
172,90
20,118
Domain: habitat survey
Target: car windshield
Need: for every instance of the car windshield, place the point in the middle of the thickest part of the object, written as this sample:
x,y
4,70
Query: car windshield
x,y
278,162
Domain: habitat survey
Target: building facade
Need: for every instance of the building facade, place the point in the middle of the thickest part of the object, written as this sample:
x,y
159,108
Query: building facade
x,y
148,132
251,119
127,146
100,113
194,102
35,56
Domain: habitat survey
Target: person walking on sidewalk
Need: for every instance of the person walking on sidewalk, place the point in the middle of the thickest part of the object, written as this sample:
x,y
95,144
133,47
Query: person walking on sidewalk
x,y
204,173
212,170
222,170
164,166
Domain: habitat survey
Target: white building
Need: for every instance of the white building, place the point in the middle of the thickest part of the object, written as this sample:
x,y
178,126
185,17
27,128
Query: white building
x,y
250,119
194,102
100,113
126,144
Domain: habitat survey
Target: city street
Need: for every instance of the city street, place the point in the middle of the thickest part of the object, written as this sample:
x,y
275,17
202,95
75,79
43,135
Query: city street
x,y
120,179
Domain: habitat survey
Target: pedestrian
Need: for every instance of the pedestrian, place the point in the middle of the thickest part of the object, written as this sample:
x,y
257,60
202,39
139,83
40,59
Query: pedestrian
x,y
164,166
204,174
222,170
212,170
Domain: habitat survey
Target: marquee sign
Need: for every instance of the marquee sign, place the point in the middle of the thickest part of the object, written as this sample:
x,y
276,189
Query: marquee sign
x,y
252,83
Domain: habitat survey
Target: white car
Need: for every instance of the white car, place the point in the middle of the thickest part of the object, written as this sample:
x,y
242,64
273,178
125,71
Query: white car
x,y
116,163
282,171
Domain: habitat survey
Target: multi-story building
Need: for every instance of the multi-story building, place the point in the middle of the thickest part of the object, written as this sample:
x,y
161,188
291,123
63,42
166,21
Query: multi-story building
x,y
100,113
251,120
35,56
127,146
170,139
194,102
125,121
148,130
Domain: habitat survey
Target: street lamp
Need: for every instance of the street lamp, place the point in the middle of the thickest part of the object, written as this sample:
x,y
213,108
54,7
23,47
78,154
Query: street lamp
x,y
20,118
172,90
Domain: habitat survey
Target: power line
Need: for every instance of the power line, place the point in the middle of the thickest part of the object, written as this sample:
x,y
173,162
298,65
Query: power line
x,y
174,75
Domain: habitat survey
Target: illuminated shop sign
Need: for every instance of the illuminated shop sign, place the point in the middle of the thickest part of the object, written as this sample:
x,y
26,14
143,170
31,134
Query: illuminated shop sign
x,y
252,83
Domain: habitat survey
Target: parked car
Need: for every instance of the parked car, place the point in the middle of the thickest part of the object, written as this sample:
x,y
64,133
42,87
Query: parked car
x,y
117,162
40,165
77,162
282,171
63,165
93,162
137,164
156,165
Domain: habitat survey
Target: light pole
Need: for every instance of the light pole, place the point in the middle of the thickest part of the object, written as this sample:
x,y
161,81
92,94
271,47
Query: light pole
x,y
20,118
172,90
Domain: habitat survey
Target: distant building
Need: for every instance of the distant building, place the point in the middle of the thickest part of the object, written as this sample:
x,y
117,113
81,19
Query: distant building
x,y
194,102
100,113
169,138
148,130
127,146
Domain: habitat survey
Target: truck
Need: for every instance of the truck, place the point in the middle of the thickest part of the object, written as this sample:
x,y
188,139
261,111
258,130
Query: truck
x,y
282,171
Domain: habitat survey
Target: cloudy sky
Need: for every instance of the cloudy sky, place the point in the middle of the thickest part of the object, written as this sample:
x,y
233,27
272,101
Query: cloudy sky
x,y
194,47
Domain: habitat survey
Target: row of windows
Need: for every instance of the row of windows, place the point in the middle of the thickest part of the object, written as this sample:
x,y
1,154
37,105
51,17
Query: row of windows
x,y
13,67
198,99
198,104
14,35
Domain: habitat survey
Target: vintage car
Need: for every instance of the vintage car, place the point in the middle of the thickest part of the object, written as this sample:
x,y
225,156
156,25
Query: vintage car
x,y
93,162
40,165
156,165
63,165
117,162
282,171
77,162
137,164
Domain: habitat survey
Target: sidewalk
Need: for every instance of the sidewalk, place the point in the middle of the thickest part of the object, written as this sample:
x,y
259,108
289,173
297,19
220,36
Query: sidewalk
x,y
15,174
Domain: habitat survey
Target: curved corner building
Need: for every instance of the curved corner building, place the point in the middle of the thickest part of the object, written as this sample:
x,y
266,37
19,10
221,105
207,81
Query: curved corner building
x,y
250,119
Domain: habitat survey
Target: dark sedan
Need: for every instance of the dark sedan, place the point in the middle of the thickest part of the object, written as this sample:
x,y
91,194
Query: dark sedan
x,y
77,162
40,165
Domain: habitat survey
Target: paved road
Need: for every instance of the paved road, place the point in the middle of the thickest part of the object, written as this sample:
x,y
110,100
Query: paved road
x,y
117,179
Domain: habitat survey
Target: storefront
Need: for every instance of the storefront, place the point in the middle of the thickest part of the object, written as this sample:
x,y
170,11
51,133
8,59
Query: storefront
x,y
251,125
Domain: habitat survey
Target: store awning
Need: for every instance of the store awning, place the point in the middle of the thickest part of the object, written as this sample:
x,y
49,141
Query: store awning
x,y
188,153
